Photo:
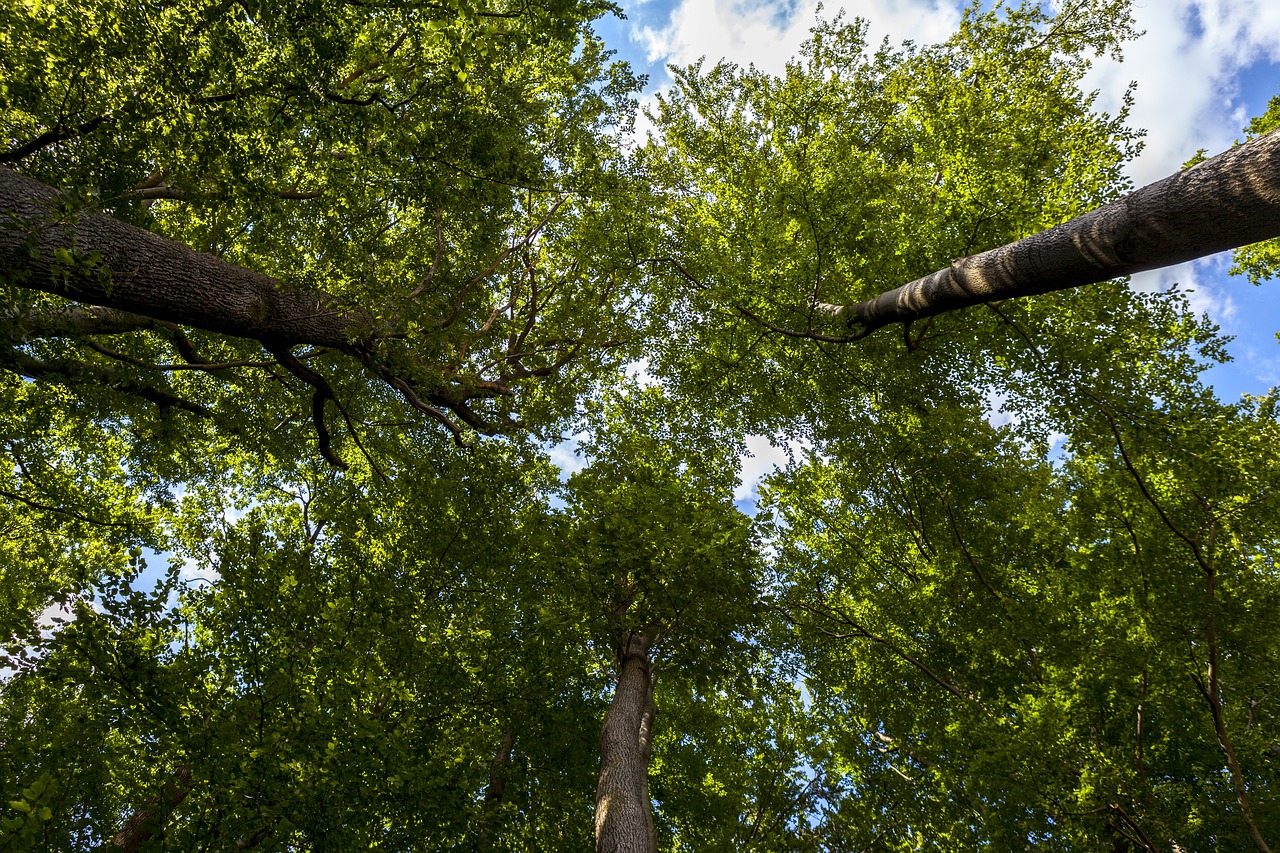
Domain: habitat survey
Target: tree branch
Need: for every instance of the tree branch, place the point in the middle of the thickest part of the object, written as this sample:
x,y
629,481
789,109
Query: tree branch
x,y
1222,203
69,371
323,392
52,136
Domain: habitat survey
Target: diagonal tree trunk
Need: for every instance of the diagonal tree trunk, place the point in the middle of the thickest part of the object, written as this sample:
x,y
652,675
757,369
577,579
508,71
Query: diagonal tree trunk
x,y
624,815
156,277
1222,203
149,821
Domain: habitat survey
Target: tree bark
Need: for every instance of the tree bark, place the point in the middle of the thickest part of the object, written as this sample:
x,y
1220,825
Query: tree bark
x,y
624,815
148,821
1225,202
495,791
163,279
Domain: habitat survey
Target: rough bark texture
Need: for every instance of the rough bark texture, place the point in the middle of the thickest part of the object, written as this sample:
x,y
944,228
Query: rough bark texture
x,y
624,815
1223,203
156,277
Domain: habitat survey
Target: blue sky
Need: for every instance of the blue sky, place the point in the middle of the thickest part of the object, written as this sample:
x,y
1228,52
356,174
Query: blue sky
x,y
1202,69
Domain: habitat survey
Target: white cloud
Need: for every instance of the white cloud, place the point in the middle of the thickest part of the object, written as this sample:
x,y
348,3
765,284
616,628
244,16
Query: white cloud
x,y
1186,68
997,414
764,456
1201,281
767,34
638,372
196,571
1263,366
54,616
742,32
565,456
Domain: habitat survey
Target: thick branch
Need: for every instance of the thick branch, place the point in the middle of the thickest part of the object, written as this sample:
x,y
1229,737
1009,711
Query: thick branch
x,y
1223,203
51,137
163,279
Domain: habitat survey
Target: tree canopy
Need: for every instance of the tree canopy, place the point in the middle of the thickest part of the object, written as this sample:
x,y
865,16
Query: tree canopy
x,y
298,300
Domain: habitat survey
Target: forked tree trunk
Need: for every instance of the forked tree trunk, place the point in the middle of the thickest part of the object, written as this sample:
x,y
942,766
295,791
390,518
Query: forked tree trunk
x,y
624,815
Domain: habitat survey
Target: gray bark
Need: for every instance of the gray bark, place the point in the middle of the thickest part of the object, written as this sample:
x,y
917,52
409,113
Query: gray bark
x,y
1223,203
624,815
162,279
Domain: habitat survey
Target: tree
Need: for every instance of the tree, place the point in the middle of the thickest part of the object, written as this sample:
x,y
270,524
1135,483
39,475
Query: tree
x,y
870,124
941,632
668,569
432,184
928,559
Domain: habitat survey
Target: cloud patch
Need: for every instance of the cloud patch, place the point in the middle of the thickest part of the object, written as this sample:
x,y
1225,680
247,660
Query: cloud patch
x,y
767,34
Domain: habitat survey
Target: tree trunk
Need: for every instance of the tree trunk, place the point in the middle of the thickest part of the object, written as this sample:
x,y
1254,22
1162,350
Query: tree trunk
x,y
1223,203
624,815
495,791
159,278
149,821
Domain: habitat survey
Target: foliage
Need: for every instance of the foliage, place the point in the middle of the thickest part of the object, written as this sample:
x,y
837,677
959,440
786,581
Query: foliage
x,y
1261,260
1013,591
857,170
450,173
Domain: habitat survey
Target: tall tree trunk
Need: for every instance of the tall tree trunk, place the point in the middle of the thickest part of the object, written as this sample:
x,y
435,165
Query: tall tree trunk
x,y
1225,202
624,815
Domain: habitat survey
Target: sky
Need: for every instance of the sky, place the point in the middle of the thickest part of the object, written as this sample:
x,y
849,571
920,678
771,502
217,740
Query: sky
x,y
1201,69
